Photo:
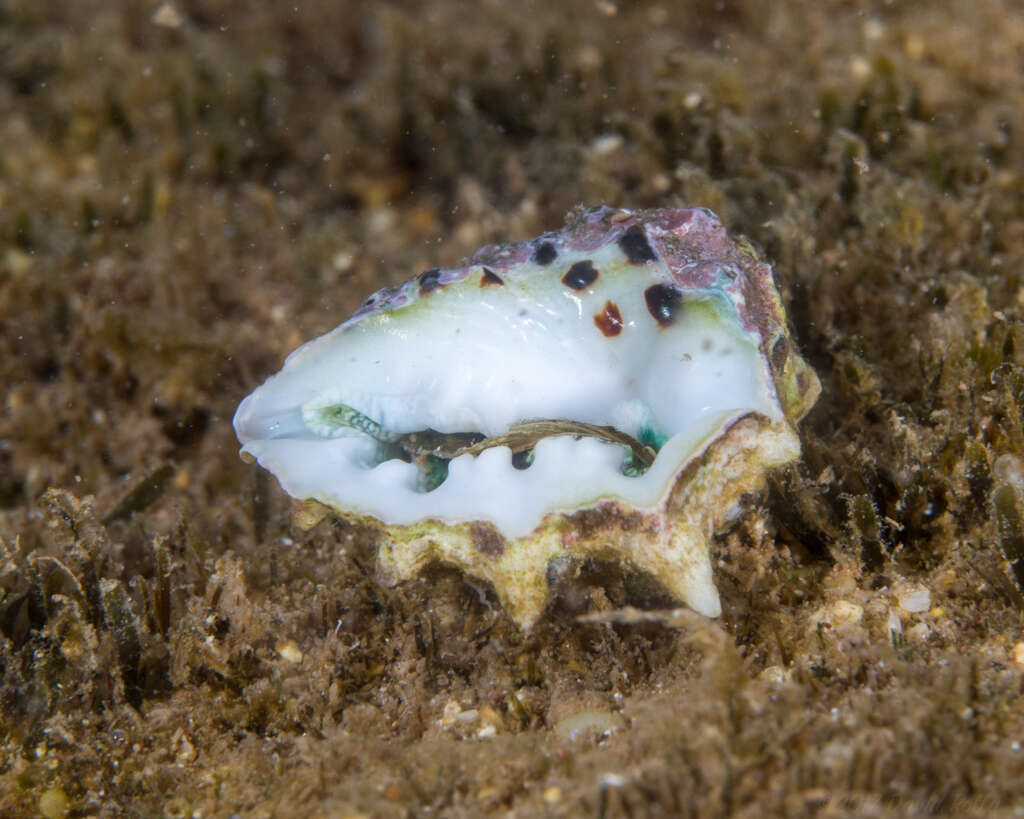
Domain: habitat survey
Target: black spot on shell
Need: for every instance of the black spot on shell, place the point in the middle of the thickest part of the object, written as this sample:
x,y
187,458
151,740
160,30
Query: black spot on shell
x,y
522,459
663,302
490,278
429,281
544,254
636,247
581,275
487,540
609,320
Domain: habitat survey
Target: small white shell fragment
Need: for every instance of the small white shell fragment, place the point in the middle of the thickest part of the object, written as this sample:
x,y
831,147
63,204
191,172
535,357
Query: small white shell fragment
x,y
915,599
289,651
894,624
844,612
776,675
919,632
167,16
609,390
552,795
450,714
588,724
1009,469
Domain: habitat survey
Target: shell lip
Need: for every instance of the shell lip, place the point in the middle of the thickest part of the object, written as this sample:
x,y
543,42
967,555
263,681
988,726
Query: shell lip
x,y
656,504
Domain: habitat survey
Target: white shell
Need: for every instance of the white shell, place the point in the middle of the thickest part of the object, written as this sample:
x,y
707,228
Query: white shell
x,y
654,324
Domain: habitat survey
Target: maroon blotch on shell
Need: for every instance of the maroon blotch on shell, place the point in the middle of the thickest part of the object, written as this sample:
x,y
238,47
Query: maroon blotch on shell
x,y
487,539
609,320
489,278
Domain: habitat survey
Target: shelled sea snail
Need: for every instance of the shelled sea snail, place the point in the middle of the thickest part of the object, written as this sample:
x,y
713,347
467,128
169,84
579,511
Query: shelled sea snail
x,y
611,389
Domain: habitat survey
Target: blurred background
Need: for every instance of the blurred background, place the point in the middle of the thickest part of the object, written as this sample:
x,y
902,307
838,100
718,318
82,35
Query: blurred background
x,y
188,190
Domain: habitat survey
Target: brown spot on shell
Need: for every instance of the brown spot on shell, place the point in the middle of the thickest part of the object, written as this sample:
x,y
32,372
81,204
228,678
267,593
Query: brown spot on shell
x,y
803,382
429,281
609,516
581,275
609,320
636,247
544,254
780,355
663,302
490,278
487,540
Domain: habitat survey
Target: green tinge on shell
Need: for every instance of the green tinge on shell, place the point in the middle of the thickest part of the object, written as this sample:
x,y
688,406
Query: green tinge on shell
x,y
610,390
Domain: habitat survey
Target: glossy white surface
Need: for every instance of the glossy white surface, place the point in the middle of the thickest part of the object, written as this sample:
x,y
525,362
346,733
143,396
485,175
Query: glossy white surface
x,y
467,358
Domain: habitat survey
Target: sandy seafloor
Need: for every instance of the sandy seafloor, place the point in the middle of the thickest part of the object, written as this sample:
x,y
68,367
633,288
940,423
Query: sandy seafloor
x,y
189,191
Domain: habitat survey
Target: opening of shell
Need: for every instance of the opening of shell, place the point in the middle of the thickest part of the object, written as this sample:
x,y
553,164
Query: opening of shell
x,y
431,451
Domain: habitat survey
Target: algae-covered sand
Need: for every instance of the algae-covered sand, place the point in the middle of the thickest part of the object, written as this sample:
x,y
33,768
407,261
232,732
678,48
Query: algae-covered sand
x,y
188,190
